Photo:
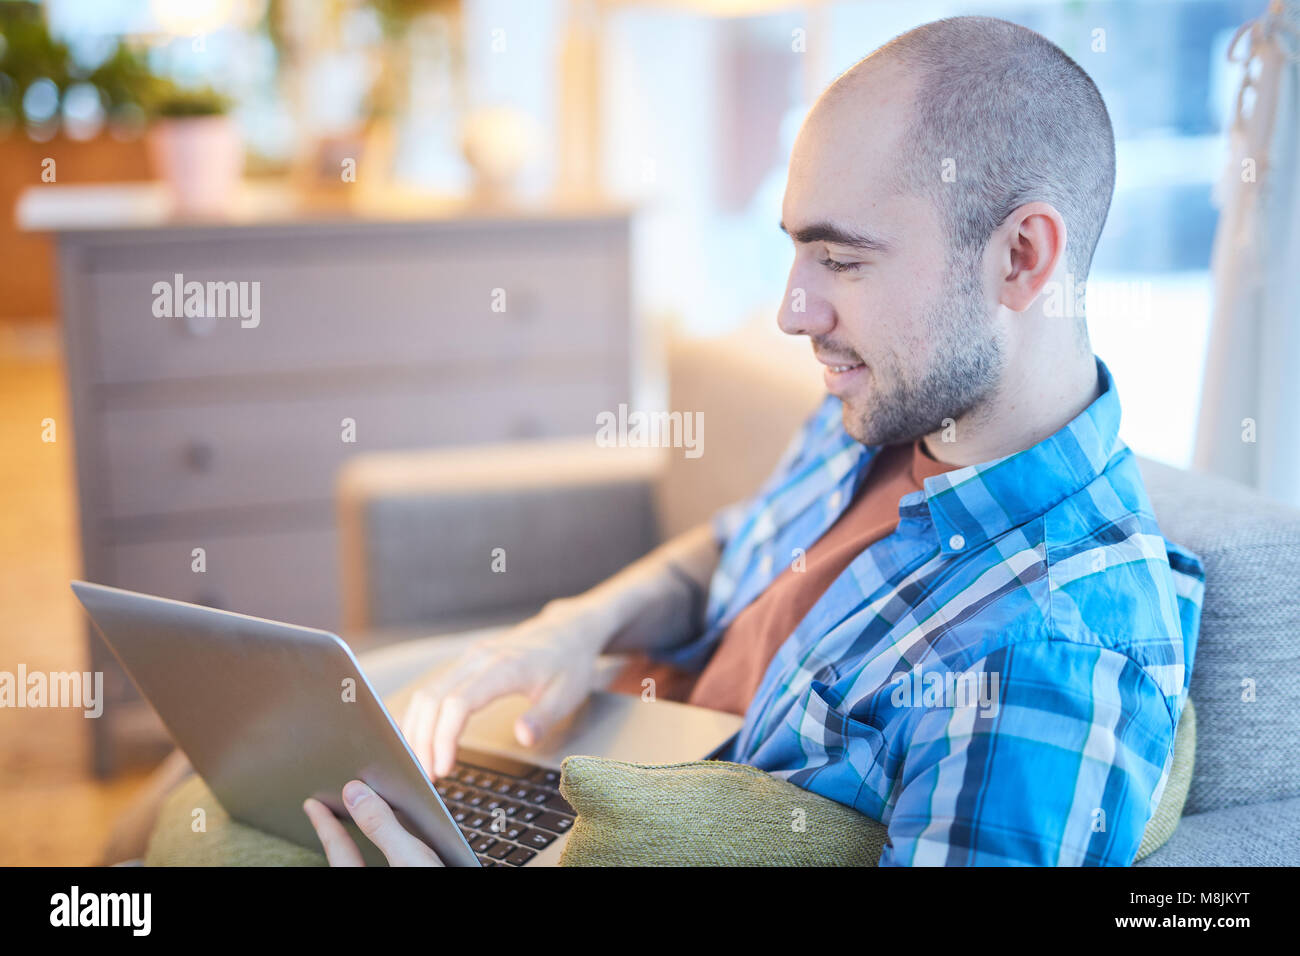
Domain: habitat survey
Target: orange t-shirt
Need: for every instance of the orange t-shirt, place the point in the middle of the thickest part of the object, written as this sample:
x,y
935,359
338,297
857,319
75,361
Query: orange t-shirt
x,y
731,678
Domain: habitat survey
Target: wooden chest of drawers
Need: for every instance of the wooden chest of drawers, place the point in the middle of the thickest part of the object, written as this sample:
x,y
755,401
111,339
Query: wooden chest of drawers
x,y
202,433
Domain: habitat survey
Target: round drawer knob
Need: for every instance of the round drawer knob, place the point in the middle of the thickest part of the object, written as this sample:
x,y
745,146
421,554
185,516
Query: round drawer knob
x,y
199,456
200,326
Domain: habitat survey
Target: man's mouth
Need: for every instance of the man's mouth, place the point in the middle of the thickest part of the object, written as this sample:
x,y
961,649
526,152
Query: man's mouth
x,y
838,364
842,374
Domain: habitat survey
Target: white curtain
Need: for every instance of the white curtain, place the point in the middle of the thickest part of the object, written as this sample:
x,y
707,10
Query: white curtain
x,y
1249,423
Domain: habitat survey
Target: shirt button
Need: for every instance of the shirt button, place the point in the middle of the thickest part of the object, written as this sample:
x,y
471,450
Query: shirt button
x,y
765,566
956,542
835,499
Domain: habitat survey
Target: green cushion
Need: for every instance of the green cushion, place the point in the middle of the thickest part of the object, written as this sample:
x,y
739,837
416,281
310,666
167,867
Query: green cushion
x,y
709,812
222,842
702,813
714,812
1169,811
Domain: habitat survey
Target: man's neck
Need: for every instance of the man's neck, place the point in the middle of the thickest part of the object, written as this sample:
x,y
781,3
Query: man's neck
x,y
1027,408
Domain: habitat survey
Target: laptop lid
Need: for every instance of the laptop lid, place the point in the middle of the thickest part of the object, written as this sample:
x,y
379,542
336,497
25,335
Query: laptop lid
x,y
269,714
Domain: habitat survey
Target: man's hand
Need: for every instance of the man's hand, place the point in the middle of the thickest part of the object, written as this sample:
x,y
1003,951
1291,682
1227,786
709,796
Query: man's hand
x,y
655,602
550,657
376,820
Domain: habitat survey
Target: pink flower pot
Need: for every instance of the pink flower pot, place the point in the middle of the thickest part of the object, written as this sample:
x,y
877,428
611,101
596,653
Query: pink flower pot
x,y
200,158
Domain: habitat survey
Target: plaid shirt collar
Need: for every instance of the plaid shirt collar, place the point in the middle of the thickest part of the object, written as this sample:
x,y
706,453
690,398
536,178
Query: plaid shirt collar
x,y
975,504
964,508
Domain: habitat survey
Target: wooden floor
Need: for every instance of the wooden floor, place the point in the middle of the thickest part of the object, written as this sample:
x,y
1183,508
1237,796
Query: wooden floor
x,y
52,811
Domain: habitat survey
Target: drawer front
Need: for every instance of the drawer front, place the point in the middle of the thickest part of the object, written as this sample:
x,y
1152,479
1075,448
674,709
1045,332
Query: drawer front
x,y
358,311
290,576
166,460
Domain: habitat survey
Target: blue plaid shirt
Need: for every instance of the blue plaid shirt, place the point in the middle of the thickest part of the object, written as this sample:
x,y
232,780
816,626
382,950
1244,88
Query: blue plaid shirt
x,y
999,680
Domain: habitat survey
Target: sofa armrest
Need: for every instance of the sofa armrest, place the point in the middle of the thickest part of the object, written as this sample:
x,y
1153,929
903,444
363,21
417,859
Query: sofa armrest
x,y
489,532
1257,834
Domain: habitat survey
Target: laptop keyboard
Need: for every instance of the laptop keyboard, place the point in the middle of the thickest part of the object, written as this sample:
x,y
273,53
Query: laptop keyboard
x,y
508,810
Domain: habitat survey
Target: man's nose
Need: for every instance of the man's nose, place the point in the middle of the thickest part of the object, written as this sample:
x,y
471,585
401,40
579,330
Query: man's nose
x,y
803,311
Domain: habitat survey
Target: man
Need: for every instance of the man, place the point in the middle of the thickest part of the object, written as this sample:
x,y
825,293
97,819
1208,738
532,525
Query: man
x,y
959,506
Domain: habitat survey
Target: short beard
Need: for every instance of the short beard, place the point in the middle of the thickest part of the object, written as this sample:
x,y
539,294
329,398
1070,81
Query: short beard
x,y
966,368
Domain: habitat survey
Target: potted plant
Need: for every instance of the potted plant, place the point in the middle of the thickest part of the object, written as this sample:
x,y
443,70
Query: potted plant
x,y
195,148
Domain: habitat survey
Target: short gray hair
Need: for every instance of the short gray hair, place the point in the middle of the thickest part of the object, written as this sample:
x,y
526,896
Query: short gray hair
x,y
1020,120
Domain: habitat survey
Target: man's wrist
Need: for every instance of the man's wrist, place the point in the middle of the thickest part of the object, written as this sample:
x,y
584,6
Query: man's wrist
x,y
587,620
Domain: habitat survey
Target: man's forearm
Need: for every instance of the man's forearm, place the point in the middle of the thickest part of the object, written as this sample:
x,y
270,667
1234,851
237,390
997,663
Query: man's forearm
x,y
658,601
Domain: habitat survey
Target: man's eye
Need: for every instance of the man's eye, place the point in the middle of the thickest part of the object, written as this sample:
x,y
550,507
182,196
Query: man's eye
x,y
836,266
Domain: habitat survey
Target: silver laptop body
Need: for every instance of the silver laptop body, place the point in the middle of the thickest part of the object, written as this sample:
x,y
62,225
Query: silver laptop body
x,y
271,713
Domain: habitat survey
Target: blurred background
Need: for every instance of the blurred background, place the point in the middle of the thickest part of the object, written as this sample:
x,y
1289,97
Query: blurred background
x,y
383,169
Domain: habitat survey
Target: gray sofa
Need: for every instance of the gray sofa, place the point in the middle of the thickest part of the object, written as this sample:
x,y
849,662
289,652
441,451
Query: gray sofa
x,y
420,529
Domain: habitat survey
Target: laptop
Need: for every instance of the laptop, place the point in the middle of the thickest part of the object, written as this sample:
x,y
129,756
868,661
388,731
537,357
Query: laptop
x,y
271,713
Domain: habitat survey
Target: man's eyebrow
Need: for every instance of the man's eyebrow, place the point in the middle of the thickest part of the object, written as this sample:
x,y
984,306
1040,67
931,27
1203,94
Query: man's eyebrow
x,y
829,232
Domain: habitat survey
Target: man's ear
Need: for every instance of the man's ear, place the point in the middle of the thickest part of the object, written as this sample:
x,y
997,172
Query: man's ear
x,y
1031,242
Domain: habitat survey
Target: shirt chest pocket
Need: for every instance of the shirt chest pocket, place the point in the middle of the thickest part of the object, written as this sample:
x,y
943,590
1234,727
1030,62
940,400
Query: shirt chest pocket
x,y
852,755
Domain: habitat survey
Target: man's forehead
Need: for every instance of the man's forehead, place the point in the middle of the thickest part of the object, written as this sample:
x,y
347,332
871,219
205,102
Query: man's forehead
x,y
853,208
844,167
851,136
860,123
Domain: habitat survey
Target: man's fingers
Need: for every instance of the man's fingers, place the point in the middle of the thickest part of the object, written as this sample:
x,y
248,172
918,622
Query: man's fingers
x,y
557,701
422,711
498,679
376,820
334,839
417,728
